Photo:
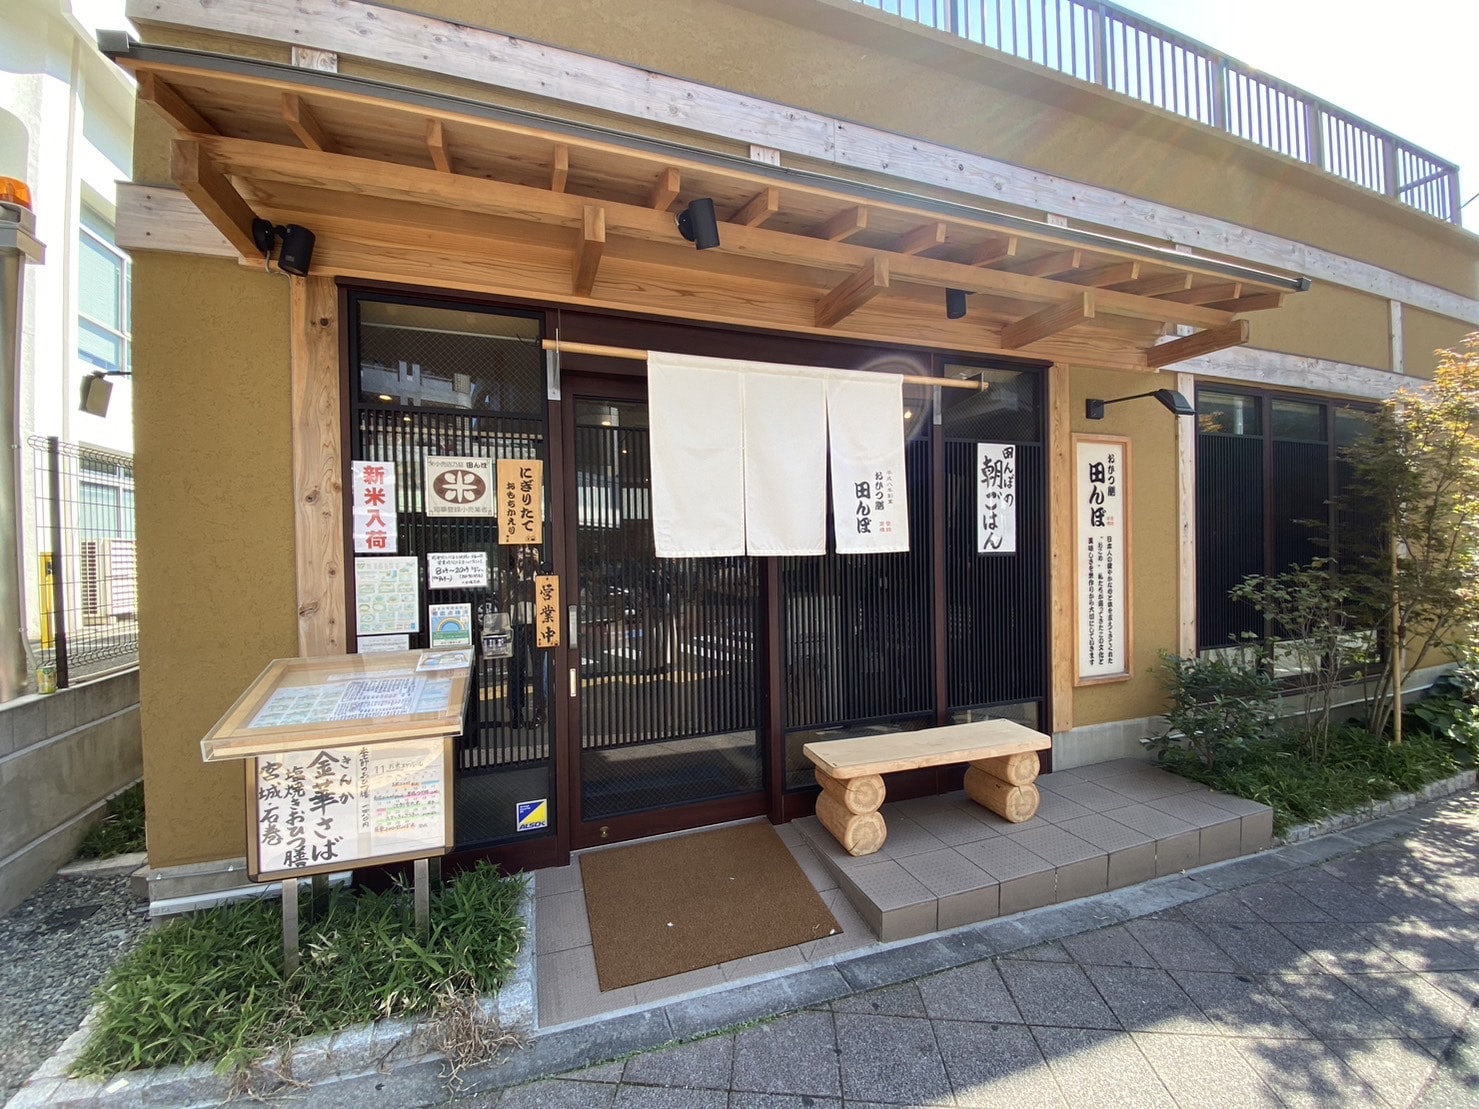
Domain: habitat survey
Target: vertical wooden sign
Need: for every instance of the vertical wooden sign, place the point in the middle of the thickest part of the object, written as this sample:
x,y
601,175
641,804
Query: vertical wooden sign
x,y
1101,535
547,610
520,501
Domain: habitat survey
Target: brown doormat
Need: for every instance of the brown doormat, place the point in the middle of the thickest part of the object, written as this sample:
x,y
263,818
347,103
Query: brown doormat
x,y
672,905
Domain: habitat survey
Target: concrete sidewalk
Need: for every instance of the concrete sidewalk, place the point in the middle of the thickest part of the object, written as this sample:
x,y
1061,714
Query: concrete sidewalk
x,y
1342,971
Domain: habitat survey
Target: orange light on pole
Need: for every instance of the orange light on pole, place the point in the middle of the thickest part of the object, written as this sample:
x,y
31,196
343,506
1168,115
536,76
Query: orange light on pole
x,y
15,192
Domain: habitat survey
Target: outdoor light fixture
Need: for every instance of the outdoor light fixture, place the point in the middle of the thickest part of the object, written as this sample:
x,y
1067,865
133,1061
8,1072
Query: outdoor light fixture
x,y
97,389
954,303
698,224
297,245
1094,409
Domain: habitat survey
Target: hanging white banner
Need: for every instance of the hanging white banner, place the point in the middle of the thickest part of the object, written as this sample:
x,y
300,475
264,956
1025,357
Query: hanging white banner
x,y
785,463
996,498
870,503
696,417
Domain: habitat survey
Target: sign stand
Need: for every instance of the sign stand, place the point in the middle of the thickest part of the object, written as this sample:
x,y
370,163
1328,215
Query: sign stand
x,y
289,927
422,884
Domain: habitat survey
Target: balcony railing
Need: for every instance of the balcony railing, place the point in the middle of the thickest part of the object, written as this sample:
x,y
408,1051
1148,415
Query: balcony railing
x,y
1118,50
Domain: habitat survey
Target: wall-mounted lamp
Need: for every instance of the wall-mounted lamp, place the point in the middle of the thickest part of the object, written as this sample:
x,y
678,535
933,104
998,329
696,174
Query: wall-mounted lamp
x,y
1094,409
96,389
698,224
297,245
954,303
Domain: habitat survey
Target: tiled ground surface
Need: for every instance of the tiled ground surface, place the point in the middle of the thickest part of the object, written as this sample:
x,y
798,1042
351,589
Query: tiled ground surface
x,y
947,862
1353,981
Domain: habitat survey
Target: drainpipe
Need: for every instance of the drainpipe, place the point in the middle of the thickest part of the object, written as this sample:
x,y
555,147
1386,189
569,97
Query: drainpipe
x,y
18,245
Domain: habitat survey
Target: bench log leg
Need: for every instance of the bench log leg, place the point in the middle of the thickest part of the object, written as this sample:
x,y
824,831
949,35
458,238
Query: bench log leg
x,y
1017,770
848,808
1012,802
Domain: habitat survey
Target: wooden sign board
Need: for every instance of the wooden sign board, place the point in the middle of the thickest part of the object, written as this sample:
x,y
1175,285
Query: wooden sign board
x,y
1101,532
326,809
546,610
520,501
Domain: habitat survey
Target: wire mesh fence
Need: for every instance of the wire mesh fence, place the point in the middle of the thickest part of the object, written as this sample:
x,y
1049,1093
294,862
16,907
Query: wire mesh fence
x,y
84,610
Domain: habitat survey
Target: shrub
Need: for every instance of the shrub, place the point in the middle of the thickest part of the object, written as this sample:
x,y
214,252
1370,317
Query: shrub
x,y
1218,706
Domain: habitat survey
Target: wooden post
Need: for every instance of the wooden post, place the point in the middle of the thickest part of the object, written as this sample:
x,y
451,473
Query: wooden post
x,y
856,795
289,927
1015,803
859,833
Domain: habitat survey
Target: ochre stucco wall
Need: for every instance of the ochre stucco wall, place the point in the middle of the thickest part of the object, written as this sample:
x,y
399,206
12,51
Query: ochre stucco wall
x,y
1423,334
1330,322
217,596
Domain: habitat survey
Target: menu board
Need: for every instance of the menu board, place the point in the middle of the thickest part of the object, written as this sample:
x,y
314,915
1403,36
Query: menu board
x,y
332,808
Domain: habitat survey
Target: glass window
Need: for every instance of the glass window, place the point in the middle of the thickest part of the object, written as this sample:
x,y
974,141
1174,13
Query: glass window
x,y
1293,419
102,298
1228,414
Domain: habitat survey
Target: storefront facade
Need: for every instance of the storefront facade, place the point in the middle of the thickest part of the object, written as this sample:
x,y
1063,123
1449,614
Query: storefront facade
x,y
491,265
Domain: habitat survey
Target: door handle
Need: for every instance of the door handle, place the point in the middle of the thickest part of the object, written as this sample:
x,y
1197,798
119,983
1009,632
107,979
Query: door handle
x,y
574,626
572,681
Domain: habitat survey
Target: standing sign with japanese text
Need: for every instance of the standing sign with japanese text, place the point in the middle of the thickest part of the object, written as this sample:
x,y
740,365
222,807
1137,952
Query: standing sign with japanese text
x,y
459,486
546,610
373,489
520,501
331,808
1101,534
996,498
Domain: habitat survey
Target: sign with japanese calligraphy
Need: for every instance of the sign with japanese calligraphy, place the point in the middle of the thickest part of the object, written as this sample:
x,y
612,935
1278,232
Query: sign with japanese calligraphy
x,y
372,489
520,501
870,501
459,486
450,625
1101,529
996,498
457,570
546,610
333,808
387,595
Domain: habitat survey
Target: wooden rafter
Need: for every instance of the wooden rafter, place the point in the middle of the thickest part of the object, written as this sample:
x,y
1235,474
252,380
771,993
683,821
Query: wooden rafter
x,y
991,250
1156,286
844,225
559,172
1101,277
1050,321
436,146
665,190
1207,294
926,236
589,247
1194,346
1253,302
210,191
302,122
759,208
155,90
852,294
1047,265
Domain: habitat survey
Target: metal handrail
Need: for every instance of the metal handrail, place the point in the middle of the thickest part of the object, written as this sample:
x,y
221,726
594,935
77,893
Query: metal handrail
x,y
1104,44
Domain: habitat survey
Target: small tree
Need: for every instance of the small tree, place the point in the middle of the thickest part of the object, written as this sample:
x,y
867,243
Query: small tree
x,y
1418,473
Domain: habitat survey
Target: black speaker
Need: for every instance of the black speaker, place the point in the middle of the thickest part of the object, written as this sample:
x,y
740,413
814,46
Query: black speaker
x,y
296,254
954,303
698,224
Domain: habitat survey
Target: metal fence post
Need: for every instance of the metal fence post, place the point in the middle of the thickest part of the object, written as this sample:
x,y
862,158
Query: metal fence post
x,y
58,560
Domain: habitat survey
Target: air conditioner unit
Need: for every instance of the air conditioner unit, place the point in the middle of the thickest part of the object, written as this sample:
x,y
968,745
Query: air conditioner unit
x,y
109,581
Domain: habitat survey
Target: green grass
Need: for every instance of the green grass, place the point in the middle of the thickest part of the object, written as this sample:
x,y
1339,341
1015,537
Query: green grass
x,y
1359,768
121,830
209,987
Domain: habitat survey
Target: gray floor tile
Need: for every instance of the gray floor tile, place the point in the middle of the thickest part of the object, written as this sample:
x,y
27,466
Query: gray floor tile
x,y
892,1001
1115,946
974,992
996,1065
557,1093
946,872
1419,1008
703,1064
1340,947
1239,1005
1056,808
1051,952
1278,903
891,1060
1093,797
1151,822
794,1055
1148,1000
765,962
1307,1074
1257,947
1057,994
905,836
1204,1073
1055,844
953,822
738,1100
601,1072
1397,1069
1105,832
1417,945
1003,858
557,879
820,875
1330,1008
660,1097
568,989
1098,1068
1220,908
1178,945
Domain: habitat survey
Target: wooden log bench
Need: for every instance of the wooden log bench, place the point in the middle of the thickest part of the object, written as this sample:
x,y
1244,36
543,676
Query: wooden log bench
x,y
1001,777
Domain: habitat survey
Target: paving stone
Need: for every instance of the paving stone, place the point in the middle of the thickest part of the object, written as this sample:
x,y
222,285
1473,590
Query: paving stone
x,y
996,1065
1052,952
1257,947
1340,947
1306,1074
1417,947
892,1001
1239,1005
974,992
1099,1068
660,1097
1221,908
739,1100
701,1064
794,1055
1201,1071
891,1060
1330,1008
558,1093
1278,903
1179,945
1148,1000
1110,947
1398,1069
1057,994
1419,1008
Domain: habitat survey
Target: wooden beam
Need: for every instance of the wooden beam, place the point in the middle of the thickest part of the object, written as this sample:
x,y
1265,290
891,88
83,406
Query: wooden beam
x,y
1253,302
1194,346
559,172
436,146
1103,276
992,249
588,250
318,495
1156,286
926,236
665,189
154,90
759,208
1050,321
1063,555
1206,294
210,191
852,294
844,225
1047,265
1186,524
154,217
302,122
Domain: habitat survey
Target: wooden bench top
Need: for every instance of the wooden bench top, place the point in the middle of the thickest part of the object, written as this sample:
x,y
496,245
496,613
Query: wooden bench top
x,y
884,754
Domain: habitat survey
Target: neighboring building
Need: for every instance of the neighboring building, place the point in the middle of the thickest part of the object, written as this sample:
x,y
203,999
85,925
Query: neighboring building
x,y
66,133
484,179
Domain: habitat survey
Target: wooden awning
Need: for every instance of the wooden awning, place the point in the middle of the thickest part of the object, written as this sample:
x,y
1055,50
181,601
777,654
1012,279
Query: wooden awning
x,y
407,186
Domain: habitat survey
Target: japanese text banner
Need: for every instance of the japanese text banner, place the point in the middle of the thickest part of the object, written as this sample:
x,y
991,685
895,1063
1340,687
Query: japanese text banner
x,y
870,504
